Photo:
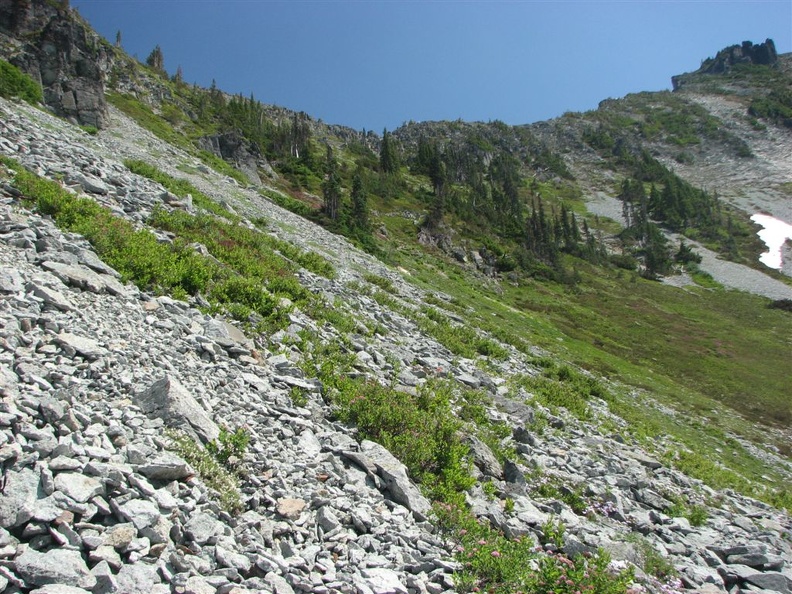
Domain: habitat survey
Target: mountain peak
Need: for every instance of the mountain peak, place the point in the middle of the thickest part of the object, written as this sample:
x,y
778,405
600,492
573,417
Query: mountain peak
x,y
745,53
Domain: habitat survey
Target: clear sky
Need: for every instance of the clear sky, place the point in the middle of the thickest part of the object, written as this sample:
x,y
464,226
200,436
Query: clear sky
x,y
378,63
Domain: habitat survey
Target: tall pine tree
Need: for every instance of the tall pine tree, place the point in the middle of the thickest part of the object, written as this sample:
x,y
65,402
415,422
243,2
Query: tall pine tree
x,y
331,187
359,204
388,160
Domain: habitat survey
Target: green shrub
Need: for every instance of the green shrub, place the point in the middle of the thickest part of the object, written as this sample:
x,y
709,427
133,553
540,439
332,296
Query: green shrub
x,y
381,282
499,565
244,291
291,204
224,483
553,533
15,83
230,447
420,431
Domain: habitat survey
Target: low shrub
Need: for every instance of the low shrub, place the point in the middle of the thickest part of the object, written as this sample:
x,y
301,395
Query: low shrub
x,y
491,562
224,483
230,446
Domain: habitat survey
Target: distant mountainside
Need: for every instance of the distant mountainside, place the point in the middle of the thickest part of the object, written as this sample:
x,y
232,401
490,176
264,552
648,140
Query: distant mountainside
x,y
242,350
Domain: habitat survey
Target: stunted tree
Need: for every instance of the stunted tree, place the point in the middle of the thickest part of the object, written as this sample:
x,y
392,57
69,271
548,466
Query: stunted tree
x,y
118,38
156,60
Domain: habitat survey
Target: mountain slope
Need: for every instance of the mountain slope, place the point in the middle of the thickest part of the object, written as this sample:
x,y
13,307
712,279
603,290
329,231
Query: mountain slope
x,y
343,349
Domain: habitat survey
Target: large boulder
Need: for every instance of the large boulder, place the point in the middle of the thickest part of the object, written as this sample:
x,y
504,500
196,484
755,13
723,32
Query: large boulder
x,y
168,400
394,474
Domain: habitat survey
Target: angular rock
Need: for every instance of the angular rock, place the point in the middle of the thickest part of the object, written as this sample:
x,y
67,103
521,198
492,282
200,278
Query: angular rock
x,y
18,502
229,558
483,457
278,584
142,513
77,486
383,581
119,536
166,467
10,280
225,334
78,276
771,580
59,589
290,508
137,579
203,528
58,566
80,345
398,484
327,519
198,585
49,296
168,400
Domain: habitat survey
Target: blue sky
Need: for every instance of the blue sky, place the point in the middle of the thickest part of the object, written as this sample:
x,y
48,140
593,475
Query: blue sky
x,y
375,64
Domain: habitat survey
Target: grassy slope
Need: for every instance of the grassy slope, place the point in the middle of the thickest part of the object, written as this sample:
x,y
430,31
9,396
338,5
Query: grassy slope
x,y
718,357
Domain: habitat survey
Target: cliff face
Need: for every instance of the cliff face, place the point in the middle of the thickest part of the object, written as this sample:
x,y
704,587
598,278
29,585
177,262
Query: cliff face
x,y
53,45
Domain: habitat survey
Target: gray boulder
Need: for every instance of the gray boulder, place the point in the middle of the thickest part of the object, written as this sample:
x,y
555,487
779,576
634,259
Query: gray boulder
x,y
168,400
398,484
483,457
18,502
58,566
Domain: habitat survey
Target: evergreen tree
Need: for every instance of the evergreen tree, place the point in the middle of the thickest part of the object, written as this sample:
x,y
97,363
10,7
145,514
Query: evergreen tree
x,y
388,160
118,38
156,60
331,187
359,204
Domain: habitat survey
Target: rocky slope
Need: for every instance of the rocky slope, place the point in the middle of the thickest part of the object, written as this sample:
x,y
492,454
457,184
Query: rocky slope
x,y
93,371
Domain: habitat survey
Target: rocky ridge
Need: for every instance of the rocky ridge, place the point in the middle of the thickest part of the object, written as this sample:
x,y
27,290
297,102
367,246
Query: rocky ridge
x,y
93,500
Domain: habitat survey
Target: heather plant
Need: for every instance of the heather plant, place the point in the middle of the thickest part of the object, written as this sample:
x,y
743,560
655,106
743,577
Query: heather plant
x,y
563,386
492,562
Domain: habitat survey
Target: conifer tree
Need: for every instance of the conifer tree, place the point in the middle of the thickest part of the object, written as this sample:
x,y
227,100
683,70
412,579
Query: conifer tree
x,y
388,161
359,204
331,187
156,60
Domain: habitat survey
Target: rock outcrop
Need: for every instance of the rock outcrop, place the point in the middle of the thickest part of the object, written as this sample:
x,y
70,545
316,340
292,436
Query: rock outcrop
x,y
49,42
745,53
234,149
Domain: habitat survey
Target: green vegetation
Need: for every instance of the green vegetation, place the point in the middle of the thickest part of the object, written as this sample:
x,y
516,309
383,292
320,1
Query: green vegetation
x,y
230,447
223,482
494,563
650,560
420,431
247,259
561,385
15,83
179,187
